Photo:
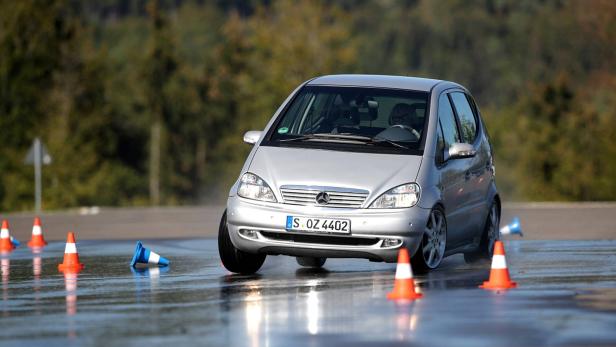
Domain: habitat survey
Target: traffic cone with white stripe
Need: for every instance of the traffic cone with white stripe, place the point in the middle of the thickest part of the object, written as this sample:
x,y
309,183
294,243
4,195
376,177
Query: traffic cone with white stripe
x,y
6,245
145,256
404,284
499,274
71,257
37,240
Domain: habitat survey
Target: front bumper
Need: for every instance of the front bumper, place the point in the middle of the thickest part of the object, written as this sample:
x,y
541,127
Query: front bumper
x,y
369,229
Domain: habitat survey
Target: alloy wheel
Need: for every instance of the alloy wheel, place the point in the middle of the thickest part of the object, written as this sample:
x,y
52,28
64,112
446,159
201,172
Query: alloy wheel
x,y
434,240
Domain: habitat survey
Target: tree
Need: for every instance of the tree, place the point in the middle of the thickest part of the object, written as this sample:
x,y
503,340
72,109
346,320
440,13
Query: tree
x,y
254,69
558,145
226,89
159,67
54,88
29,52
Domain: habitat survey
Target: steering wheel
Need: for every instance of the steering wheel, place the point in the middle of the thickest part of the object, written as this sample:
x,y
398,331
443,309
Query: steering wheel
x,y
407,128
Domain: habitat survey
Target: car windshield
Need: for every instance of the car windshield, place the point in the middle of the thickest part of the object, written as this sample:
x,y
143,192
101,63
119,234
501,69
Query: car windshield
x,y
371,119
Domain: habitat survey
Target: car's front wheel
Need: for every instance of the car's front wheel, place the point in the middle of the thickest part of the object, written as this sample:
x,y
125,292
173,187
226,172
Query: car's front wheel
x,y
311,261
232,258
432,248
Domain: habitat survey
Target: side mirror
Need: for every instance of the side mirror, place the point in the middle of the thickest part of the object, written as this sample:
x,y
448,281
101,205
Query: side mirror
x,y
461,150
251,137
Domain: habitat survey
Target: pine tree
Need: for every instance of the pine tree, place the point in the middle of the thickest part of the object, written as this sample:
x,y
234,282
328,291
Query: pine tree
x,y
158,68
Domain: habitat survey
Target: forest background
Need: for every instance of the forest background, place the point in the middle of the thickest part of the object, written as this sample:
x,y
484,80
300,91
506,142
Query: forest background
x,y
145,102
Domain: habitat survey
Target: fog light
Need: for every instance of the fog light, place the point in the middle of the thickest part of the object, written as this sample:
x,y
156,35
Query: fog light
x,y
391,242
249,233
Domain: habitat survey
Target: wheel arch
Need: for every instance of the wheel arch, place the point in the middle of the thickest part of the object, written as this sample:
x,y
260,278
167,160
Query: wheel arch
x,y
439,204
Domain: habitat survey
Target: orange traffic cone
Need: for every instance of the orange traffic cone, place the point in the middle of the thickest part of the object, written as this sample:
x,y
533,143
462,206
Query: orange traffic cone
x,y
5,238
404,285
71,257
499,274
37,240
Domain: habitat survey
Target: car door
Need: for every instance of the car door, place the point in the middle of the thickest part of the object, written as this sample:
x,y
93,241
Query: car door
x,y
476,181
452,174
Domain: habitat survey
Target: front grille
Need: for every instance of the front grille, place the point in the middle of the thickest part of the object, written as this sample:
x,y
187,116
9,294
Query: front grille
x,y
339,197
322,239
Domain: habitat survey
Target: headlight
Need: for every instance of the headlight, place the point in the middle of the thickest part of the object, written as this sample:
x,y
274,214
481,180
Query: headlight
x,y
253,187
402,196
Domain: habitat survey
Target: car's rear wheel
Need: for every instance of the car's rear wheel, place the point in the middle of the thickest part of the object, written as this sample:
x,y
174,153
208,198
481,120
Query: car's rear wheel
x,y
232,258
311,261
491,234
432,248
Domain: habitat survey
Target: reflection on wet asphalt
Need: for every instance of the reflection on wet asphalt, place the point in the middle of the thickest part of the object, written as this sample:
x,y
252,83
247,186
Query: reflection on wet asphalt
x,y
566,296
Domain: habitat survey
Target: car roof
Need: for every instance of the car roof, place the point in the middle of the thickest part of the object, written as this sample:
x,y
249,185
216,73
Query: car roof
x,y
378,81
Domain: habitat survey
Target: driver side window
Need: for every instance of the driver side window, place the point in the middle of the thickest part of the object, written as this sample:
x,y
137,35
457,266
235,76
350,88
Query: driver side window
x,y
447,122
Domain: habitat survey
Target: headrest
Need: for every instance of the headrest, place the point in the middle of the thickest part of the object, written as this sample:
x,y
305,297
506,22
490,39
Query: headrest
x,y
399,114
406,114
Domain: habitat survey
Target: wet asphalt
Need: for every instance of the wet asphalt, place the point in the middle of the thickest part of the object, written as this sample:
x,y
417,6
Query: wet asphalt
x,y
566,297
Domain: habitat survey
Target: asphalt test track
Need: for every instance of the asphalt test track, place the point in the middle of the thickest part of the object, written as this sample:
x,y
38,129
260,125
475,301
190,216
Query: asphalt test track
x,y
566,297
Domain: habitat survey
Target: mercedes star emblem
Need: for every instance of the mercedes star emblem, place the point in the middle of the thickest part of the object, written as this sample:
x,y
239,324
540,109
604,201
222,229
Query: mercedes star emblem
x,y
322,198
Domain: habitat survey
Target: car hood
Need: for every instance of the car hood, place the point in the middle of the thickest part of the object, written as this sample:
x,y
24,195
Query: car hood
x,y
374,172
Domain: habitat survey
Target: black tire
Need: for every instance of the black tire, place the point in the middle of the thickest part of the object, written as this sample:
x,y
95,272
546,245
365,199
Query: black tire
x,y
418,261
232,258
311,262
491,233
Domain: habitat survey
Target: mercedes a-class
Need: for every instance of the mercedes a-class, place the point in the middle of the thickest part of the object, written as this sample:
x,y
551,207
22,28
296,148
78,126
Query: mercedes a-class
x,y
358,166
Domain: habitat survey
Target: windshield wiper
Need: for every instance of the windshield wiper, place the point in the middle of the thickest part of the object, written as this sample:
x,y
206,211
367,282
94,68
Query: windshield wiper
x,y
345,137
390,142
328,136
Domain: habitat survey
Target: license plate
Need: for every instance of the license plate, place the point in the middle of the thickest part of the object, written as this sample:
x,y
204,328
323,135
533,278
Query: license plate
x,y
318,225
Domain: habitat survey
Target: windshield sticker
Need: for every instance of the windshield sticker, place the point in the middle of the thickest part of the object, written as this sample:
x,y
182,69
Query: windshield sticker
x,y
283,130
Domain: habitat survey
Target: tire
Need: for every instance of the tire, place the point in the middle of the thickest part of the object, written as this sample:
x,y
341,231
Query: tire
x,y
232,258
311,262
433,244
491,233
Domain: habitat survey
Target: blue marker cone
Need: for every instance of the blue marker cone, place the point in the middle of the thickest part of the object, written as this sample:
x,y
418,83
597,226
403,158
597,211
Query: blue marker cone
x,y
512,228
15,242
145,256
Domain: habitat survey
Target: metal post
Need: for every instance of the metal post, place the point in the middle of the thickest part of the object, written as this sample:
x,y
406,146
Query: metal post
x,y
37,175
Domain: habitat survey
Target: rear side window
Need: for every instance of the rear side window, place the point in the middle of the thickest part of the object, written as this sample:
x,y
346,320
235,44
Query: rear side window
x,y
468,123
448,121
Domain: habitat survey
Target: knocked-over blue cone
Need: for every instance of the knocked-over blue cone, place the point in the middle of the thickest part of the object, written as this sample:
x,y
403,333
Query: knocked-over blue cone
x,y
513,228
15,242
145,256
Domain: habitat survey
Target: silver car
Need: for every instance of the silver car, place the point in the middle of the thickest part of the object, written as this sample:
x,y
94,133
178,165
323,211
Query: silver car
x,y
358,166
